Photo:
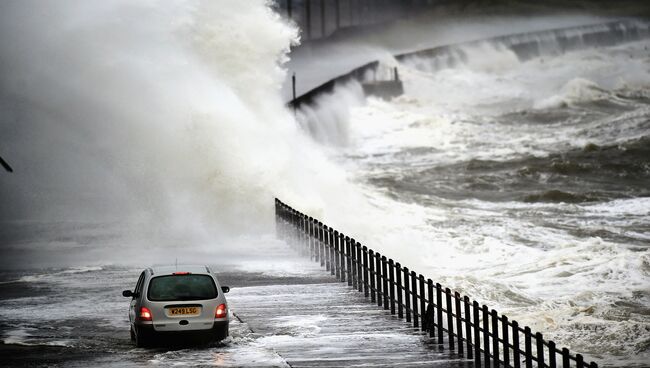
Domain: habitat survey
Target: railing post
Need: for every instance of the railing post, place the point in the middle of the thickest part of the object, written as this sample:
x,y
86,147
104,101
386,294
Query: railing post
x,y
540,349
333,254
348,261
342,258
316,241
407,294
384,279
459,323
528,350
414,290
398,273
551,355
439,312
422,306
360,278
353,265
495,338
468,329
566,358
486,336
432,323
506,341
309,238
391,282
516,357
326,247
371,263
477,335
450,319
380,292
305,235
337,258
365,271
580,361
321,244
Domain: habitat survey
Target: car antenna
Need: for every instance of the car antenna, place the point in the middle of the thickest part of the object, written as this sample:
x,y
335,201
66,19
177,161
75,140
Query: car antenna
x,y
176,263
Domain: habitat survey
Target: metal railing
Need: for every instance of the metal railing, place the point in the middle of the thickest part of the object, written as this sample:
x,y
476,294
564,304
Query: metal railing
x,y
472,330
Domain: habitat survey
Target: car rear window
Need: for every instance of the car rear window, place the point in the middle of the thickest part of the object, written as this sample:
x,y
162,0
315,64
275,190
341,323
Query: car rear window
x,y
181,287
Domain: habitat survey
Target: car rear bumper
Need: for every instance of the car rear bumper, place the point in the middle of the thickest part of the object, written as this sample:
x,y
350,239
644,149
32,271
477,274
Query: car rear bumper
x,y
219,331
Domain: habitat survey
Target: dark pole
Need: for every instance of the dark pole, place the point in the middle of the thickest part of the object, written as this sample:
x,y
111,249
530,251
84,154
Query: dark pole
x,y
342,256
378,274
495,337
359,268
332,252
432,324
551,355
365,271
477,336
486,335
450,319
422,302
439,311
540,349
371,263
384,278
391,280
352,253
6,165
293,90
516,358
566,360
321,243
468,328
506,342
459,323
398,273
407,294
528,348
289,6
414,290
348,260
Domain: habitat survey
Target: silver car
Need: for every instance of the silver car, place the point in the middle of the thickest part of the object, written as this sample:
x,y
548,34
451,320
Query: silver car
x,y
178,300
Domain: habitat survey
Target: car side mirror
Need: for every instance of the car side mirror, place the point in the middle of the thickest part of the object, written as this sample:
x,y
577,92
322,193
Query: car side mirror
x,y
225,289
128,294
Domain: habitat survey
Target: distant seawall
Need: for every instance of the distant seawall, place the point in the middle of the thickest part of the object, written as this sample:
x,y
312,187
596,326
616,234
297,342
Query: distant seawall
x,y
525,45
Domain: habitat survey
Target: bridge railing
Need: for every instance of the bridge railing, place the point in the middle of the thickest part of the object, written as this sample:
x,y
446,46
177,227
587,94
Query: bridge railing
x,y
472,330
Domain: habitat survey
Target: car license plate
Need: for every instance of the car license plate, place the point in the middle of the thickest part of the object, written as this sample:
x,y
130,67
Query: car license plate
x,y
184,311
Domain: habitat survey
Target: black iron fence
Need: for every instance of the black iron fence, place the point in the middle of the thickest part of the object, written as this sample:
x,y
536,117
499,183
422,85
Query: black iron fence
x,y
472,330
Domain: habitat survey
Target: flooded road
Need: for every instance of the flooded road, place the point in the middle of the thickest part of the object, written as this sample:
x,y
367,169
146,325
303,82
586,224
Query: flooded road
x,y
289,313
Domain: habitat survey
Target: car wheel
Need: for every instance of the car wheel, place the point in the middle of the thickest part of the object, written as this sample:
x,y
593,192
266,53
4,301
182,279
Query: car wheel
x,y
222,333
142,338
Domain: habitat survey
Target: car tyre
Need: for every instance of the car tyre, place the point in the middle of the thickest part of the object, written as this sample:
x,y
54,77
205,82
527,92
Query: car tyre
x,y
221,333
142,338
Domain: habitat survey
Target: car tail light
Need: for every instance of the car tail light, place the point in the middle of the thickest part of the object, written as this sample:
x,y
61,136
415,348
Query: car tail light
x,y
221,311
181,273
145,314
